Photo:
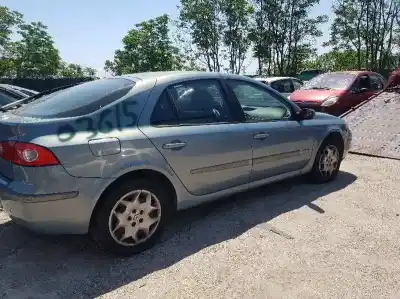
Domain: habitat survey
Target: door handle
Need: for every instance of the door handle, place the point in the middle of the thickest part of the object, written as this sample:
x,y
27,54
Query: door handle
x,y
174,145
260,136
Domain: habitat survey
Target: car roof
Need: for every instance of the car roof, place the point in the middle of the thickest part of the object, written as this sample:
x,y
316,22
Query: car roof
x,y
272,79
353,72
168,74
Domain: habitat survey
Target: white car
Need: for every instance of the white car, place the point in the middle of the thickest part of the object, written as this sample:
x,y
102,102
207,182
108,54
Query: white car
x,y
284,85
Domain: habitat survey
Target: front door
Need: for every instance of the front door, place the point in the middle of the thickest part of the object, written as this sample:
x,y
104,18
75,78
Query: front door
x,y
191,127
280,144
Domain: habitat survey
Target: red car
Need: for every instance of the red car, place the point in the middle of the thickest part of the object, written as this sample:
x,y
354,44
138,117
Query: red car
x,y
337,92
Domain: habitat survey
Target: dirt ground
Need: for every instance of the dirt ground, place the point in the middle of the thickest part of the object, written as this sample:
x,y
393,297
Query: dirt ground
x,y
287,240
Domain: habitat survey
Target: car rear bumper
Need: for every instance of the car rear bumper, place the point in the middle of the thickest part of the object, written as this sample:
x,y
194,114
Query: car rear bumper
x,y
57,213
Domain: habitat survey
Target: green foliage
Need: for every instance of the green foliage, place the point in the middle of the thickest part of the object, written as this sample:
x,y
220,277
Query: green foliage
x,y
201,22
34,55
73,70
283,34
8,20
236,24
367,27
148,47
335,60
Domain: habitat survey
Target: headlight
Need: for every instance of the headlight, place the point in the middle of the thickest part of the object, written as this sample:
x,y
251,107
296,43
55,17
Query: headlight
x,y
329,101
288,97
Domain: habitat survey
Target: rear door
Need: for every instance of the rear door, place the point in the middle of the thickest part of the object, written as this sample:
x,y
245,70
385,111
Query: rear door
x,y
191,124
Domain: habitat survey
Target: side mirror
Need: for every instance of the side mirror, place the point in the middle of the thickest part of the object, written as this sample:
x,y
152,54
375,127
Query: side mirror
x,y
306,113
363,90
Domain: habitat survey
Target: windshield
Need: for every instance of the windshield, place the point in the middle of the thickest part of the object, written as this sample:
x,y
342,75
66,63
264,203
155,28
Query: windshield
x,y
330,81
77,100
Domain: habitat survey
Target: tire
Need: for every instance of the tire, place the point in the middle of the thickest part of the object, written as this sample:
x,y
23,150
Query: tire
x,y
127,202
319,176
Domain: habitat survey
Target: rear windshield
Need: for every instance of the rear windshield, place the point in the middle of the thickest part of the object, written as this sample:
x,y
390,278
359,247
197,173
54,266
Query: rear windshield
x,y
78,100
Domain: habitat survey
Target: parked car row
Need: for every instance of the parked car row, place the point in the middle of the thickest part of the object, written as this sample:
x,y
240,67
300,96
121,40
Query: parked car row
x,y
117,157
331,92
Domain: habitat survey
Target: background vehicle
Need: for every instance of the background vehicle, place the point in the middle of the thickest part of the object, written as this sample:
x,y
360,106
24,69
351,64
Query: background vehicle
x,y
118,156
10,93
285,85
307,75
337,92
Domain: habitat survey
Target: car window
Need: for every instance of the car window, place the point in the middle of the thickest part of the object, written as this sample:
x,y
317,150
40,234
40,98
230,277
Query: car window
x,y
283,86
164,112
376,82
199,101
78,100
259,104
297,84
363,82
7,98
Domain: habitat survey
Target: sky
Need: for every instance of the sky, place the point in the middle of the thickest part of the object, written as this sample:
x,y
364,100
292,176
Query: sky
x,y
88,32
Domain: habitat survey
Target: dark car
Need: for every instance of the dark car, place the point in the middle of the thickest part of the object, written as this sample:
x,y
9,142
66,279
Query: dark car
x,y
10,93
337,92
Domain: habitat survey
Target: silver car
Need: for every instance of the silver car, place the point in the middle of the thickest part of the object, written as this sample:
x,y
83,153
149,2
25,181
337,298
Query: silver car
x,y
117,157
285,85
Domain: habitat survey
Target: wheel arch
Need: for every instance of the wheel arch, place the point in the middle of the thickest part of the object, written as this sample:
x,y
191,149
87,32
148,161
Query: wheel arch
x,y
132,175
337,136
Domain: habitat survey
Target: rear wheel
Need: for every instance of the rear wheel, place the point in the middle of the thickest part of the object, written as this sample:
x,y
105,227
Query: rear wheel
x,y
131,217
327,161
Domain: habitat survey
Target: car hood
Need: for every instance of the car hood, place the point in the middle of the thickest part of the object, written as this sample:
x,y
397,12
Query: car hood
x,y
314,95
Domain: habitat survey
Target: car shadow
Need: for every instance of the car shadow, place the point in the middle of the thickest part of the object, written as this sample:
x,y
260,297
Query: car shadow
x,y
33,266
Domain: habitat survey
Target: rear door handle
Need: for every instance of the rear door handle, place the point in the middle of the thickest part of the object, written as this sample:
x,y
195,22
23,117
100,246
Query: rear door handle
x,y
260,136
174,145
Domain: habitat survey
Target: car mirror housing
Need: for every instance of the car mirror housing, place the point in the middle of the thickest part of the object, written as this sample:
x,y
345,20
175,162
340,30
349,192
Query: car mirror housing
x,y
306,113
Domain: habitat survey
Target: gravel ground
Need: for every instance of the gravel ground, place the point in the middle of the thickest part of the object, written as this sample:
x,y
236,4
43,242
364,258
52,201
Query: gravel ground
x,y
287,240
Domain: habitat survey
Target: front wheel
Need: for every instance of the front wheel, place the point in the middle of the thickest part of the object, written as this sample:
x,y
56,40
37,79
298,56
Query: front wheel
x,y
131,217
327,162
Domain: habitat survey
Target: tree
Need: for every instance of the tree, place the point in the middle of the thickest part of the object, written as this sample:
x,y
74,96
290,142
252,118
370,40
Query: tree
x,y
284,34
147,47
335,61
8,20
73,70
368,27
201,23
236,24
35,55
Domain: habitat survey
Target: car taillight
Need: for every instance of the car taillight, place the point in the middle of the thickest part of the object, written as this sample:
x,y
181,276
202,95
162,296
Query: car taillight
x,y
27,154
